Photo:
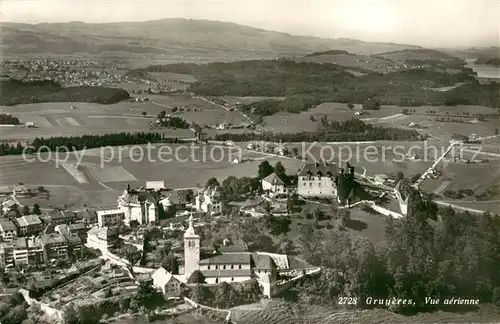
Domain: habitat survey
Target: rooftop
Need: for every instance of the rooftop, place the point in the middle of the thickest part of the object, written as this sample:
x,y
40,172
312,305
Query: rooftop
x,y
321,169
232,258
7,225
29,220
274,179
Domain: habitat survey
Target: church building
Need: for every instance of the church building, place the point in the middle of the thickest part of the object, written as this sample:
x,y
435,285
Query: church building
x,y
225,267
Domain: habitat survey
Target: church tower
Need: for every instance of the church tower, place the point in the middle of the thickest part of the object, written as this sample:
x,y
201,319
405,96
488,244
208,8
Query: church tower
x,y
191,250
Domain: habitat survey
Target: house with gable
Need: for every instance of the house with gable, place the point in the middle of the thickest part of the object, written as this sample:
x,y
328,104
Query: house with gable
x,y
166,283
273,184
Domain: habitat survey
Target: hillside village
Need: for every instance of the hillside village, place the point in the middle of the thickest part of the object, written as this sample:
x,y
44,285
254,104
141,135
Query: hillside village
x,y
45,243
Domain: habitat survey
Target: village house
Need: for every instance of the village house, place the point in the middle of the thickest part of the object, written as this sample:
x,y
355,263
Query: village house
x,y
55,217
155,185
108,218
176,199
209,201
29,225
87,217
317,180
274,185
101,238
8,205
21,191
166,283
28,251
8,230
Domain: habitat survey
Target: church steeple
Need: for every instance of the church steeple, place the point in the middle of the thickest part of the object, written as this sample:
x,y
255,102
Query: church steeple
x,y
191,249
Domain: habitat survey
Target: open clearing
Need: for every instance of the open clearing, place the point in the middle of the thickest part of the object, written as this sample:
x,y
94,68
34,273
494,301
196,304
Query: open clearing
x,y
390,116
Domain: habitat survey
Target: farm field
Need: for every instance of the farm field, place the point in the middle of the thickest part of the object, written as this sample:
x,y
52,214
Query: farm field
x,y
59,119
104,184
388,116
205,114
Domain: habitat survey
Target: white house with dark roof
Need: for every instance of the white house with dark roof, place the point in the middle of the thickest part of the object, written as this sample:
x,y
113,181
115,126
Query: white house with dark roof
x,y
110,217
317,180
166,283
274,184
29,225
8,230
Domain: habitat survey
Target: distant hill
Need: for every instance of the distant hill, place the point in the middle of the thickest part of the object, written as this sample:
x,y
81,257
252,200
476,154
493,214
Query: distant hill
x,y
422,54
195,40
357,62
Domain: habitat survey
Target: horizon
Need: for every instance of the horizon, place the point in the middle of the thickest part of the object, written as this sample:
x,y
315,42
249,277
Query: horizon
x,y
447,24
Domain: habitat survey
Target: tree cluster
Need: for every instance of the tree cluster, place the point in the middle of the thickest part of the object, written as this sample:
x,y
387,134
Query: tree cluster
x,y
7,119
334,131
313,83
174,122
225,296
459,257
16,92
75,143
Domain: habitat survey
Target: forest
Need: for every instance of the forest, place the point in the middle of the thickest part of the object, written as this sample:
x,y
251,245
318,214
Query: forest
x,y
16,92
329,83
455,256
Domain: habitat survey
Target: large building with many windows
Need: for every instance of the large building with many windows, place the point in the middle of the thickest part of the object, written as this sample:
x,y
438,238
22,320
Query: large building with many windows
x,y
317,180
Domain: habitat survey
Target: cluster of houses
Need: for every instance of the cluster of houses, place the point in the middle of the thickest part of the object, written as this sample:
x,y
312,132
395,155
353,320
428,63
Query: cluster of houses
x,y
33,240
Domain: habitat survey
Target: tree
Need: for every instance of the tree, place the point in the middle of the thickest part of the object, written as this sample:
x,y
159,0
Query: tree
x,y
212,183
146,296
344,216
399,176
130,253
350,106
36,209
26,210
201,294
415,177
265,169
169,262
280,171
196,277
144,113
371,104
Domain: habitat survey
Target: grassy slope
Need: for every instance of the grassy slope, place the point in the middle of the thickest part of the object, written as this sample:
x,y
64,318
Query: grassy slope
x,y
279,313
190,38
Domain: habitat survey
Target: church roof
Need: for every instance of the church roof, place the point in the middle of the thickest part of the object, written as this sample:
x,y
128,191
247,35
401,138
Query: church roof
x,y
232,258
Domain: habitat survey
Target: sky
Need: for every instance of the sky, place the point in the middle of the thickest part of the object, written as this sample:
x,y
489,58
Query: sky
x,y
432,23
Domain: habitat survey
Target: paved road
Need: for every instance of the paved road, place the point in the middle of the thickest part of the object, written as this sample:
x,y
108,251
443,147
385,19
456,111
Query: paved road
x,y
471,210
